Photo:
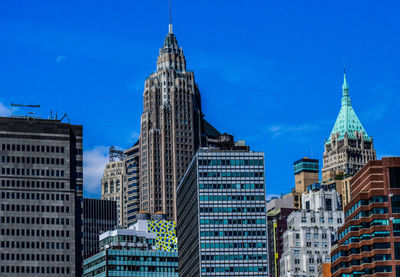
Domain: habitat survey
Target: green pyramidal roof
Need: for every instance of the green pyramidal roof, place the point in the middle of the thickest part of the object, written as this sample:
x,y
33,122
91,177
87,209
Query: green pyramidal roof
x,y
347,120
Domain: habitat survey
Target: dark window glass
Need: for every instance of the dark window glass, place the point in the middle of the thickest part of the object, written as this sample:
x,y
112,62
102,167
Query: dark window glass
x,y
396,204
394,175
328,203
397,250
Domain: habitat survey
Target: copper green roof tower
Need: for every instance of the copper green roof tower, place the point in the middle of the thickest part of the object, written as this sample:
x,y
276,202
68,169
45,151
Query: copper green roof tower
x,y
348,147
347,120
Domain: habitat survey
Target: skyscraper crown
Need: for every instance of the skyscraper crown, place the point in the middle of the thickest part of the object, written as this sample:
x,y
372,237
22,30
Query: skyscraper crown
x,y
171,55
347,120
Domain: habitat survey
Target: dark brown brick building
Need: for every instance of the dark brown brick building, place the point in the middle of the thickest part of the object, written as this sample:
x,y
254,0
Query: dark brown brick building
x,y
369,240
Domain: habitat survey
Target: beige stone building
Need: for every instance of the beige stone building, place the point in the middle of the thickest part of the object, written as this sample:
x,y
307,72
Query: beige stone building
x,y
113,184
120,183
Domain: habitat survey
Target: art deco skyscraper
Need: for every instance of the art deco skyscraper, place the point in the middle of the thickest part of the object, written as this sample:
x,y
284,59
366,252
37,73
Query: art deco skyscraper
x,y
170,129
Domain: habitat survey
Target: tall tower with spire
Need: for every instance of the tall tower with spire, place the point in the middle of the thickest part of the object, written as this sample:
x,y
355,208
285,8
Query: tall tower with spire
x,y
171,125
348,147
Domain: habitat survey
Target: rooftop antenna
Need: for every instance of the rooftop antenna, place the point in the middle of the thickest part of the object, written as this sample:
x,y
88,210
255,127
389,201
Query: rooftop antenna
x,y
344,66
170,18
29,113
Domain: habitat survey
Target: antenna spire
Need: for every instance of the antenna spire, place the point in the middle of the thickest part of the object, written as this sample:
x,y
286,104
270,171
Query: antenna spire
x,y
170,18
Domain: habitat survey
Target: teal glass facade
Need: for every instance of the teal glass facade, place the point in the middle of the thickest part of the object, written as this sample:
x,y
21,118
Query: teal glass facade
x,y
222,215
120,262
306,165
127,252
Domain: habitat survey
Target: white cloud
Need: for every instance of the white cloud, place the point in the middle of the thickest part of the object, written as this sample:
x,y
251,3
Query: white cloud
x,y
61,59
4,111
94,162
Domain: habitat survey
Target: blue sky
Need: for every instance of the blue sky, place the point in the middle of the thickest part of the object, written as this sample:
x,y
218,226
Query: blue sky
x,y
269,72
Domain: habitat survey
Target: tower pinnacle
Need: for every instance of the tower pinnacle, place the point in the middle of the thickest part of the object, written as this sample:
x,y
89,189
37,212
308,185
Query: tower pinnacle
x,y
170,19
345,87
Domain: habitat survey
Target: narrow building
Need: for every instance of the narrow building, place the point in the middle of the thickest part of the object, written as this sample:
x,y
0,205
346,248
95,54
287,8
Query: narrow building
x,y
41,196
131,195
306,173
369,240
98,216
120,183
278,210
114,186
222,213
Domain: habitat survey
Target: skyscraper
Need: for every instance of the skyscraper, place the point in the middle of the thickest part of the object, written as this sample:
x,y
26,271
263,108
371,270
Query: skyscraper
x,y
347,149
369,240
40,195
221,214
171,125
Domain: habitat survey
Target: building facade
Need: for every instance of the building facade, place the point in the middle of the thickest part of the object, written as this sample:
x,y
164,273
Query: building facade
x,y
170,129
98,217
120,183
278,211
127,252
369,240
306,172
310,232
131,196
221,214
114,185
348,147
165,230
41,197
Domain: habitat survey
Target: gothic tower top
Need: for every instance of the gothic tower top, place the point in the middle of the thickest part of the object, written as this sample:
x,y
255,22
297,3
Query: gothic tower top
x,y
347,121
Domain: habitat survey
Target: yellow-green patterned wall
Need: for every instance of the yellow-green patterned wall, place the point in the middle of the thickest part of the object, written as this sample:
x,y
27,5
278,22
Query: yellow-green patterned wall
x,y
166,234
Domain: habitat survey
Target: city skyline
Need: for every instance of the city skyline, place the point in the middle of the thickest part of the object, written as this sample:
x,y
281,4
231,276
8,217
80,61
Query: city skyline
x,y
295,92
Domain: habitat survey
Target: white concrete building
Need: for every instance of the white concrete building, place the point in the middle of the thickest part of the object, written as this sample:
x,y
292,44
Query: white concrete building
x,y
307,241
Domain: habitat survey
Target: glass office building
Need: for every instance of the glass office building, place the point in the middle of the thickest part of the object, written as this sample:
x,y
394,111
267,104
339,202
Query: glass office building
x,y
129,253
221,214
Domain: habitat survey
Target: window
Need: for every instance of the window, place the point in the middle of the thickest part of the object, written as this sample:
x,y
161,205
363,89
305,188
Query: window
x,y
396,204
328,203
397,250
394,176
